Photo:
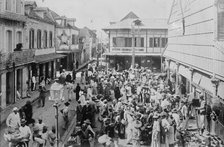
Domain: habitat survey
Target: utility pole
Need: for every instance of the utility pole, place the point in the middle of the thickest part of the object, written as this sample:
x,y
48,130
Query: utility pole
x,y
138,23
133,45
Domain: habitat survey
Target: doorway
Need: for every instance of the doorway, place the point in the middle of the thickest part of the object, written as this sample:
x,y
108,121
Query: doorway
x,y
10,88
19,81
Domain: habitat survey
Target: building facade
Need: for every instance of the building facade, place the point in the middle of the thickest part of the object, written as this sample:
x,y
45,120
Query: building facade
x,y
195,52
67,36
148,40
13,65
88,44
40,35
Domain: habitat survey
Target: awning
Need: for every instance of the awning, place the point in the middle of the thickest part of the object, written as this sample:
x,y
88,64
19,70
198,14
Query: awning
x,y
185,72
206,83
47,57
197,78
221,90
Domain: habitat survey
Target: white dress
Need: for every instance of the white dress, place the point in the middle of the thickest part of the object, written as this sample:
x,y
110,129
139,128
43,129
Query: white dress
x,y
156,134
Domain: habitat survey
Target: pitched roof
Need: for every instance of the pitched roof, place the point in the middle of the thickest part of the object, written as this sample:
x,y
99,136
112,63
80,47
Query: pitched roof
x,y
54,14
145,24
131,15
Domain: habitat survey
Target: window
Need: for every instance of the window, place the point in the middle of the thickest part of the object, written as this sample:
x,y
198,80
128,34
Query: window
x,y
74,39
156,42
38,38
9,40
151,42
164,41
220,20
18,6
128,42
45,39
31,39
50,39
8,4
139,42
119,42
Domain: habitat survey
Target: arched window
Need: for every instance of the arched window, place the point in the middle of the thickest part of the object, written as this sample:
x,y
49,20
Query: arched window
x,y
45,39
38,38
50,39
31,38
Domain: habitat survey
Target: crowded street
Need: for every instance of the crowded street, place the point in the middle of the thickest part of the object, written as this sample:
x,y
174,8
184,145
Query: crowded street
x,y
112,73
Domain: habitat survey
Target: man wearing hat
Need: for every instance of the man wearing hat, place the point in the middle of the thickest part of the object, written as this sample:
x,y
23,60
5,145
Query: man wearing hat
x,y
65,111
13,120
165,126
25,132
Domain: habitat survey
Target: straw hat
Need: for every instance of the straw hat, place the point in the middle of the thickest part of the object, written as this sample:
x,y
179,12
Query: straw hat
x,y
23,121
104,139
163,114
15,109
87,121
156,115
137,124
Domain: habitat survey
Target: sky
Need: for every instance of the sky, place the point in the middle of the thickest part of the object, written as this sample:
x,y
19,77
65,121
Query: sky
x,y
96,14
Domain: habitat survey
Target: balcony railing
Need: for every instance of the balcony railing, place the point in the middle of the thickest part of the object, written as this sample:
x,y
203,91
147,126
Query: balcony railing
x,y
17,57
137,50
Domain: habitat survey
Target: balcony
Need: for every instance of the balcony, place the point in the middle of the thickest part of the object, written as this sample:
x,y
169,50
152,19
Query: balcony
x,y
63,48
140,50
17,57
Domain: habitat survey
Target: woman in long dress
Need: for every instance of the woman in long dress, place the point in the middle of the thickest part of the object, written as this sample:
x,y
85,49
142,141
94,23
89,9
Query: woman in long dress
x,y
156,132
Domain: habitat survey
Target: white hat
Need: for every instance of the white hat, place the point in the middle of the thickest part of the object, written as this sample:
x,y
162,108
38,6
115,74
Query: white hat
x,y
104,139
15,109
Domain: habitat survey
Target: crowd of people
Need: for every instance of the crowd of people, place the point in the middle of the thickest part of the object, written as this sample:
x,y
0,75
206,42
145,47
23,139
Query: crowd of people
x,y
136,105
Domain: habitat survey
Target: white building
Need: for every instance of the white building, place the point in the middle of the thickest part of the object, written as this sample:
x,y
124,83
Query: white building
x,y
13,64
195,52
150,39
